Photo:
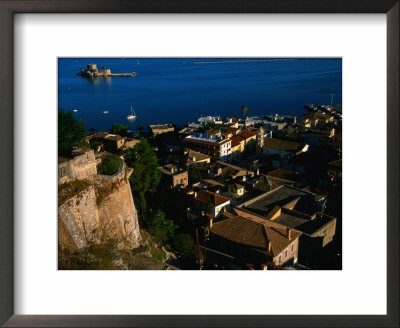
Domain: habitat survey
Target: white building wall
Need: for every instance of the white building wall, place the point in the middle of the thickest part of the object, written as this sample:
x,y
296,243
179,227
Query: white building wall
x,y
218,209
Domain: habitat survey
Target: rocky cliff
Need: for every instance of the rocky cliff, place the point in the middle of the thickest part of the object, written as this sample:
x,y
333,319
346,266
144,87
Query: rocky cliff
x,y
98,209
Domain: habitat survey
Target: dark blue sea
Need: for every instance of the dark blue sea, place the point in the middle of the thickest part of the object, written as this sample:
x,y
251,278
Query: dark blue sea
x,y
179,90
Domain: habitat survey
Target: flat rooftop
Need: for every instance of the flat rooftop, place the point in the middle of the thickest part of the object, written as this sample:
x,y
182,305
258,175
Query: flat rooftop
x,y
206,139
297,221
282,196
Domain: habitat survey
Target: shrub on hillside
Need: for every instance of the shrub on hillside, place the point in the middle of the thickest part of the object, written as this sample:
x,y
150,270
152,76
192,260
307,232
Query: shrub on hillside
x,y
110,164
160,227
184,245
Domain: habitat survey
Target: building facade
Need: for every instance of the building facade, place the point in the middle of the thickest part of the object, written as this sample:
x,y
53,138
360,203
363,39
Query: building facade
x,y
216,146
174,177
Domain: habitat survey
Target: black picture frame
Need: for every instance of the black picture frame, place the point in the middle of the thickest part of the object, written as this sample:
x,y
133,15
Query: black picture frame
x,y
7,10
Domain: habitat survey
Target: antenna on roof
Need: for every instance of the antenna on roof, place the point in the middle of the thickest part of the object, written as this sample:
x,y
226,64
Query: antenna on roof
x,y
332,94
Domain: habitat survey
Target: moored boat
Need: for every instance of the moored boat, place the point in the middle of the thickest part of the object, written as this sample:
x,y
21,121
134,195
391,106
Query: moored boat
x,y
132,115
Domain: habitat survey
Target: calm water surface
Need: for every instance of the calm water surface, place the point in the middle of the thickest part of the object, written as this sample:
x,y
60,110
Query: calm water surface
x,y
178,90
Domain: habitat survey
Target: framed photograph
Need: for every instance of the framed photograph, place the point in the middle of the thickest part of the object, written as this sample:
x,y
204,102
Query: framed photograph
x,y
199,157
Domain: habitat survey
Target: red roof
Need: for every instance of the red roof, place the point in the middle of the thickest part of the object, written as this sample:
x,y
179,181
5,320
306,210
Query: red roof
x,y
215,199
236,141
247,135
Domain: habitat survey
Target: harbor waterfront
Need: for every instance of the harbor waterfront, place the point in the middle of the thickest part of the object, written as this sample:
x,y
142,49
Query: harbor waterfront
x,y
180,90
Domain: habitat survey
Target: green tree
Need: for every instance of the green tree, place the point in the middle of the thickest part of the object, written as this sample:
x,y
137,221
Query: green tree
x,y
160,227
210,126
120,129
146,175
110,164
94,144
70,132
184,245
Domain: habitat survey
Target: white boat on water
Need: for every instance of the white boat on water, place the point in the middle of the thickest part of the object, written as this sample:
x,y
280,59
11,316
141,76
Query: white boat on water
x,y
75,110
132,115
105,111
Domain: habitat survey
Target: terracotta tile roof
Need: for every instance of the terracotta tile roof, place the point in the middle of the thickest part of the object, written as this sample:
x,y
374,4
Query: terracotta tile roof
x,y
227,165
99,135
236,141
206,196
194,156
231,170
254,232
278,238
242,231
247,135
171,170
316,116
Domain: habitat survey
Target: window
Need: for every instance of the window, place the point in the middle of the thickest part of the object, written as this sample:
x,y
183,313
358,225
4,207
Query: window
x,y
286,254
292,247
280,258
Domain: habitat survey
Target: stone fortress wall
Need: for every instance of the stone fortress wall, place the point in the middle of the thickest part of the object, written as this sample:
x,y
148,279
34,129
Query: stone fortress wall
x,y
123,173
105,209
81,167
78,220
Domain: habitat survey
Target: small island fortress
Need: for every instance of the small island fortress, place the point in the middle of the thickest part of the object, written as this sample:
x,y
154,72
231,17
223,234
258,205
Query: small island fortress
x,y
92,71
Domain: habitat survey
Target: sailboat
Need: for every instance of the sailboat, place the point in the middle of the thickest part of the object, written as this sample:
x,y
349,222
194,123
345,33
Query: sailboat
x,y
132,115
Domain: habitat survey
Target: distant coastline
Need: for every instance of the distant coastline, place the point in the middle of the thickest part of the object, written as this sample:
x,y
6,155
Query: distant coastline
x,y
244,61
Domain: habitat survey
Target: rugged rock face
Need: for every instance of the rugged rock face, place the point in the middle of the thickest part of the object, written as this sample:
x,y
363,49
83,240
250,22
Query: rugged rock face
x,y
117,215
104,209
78,220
